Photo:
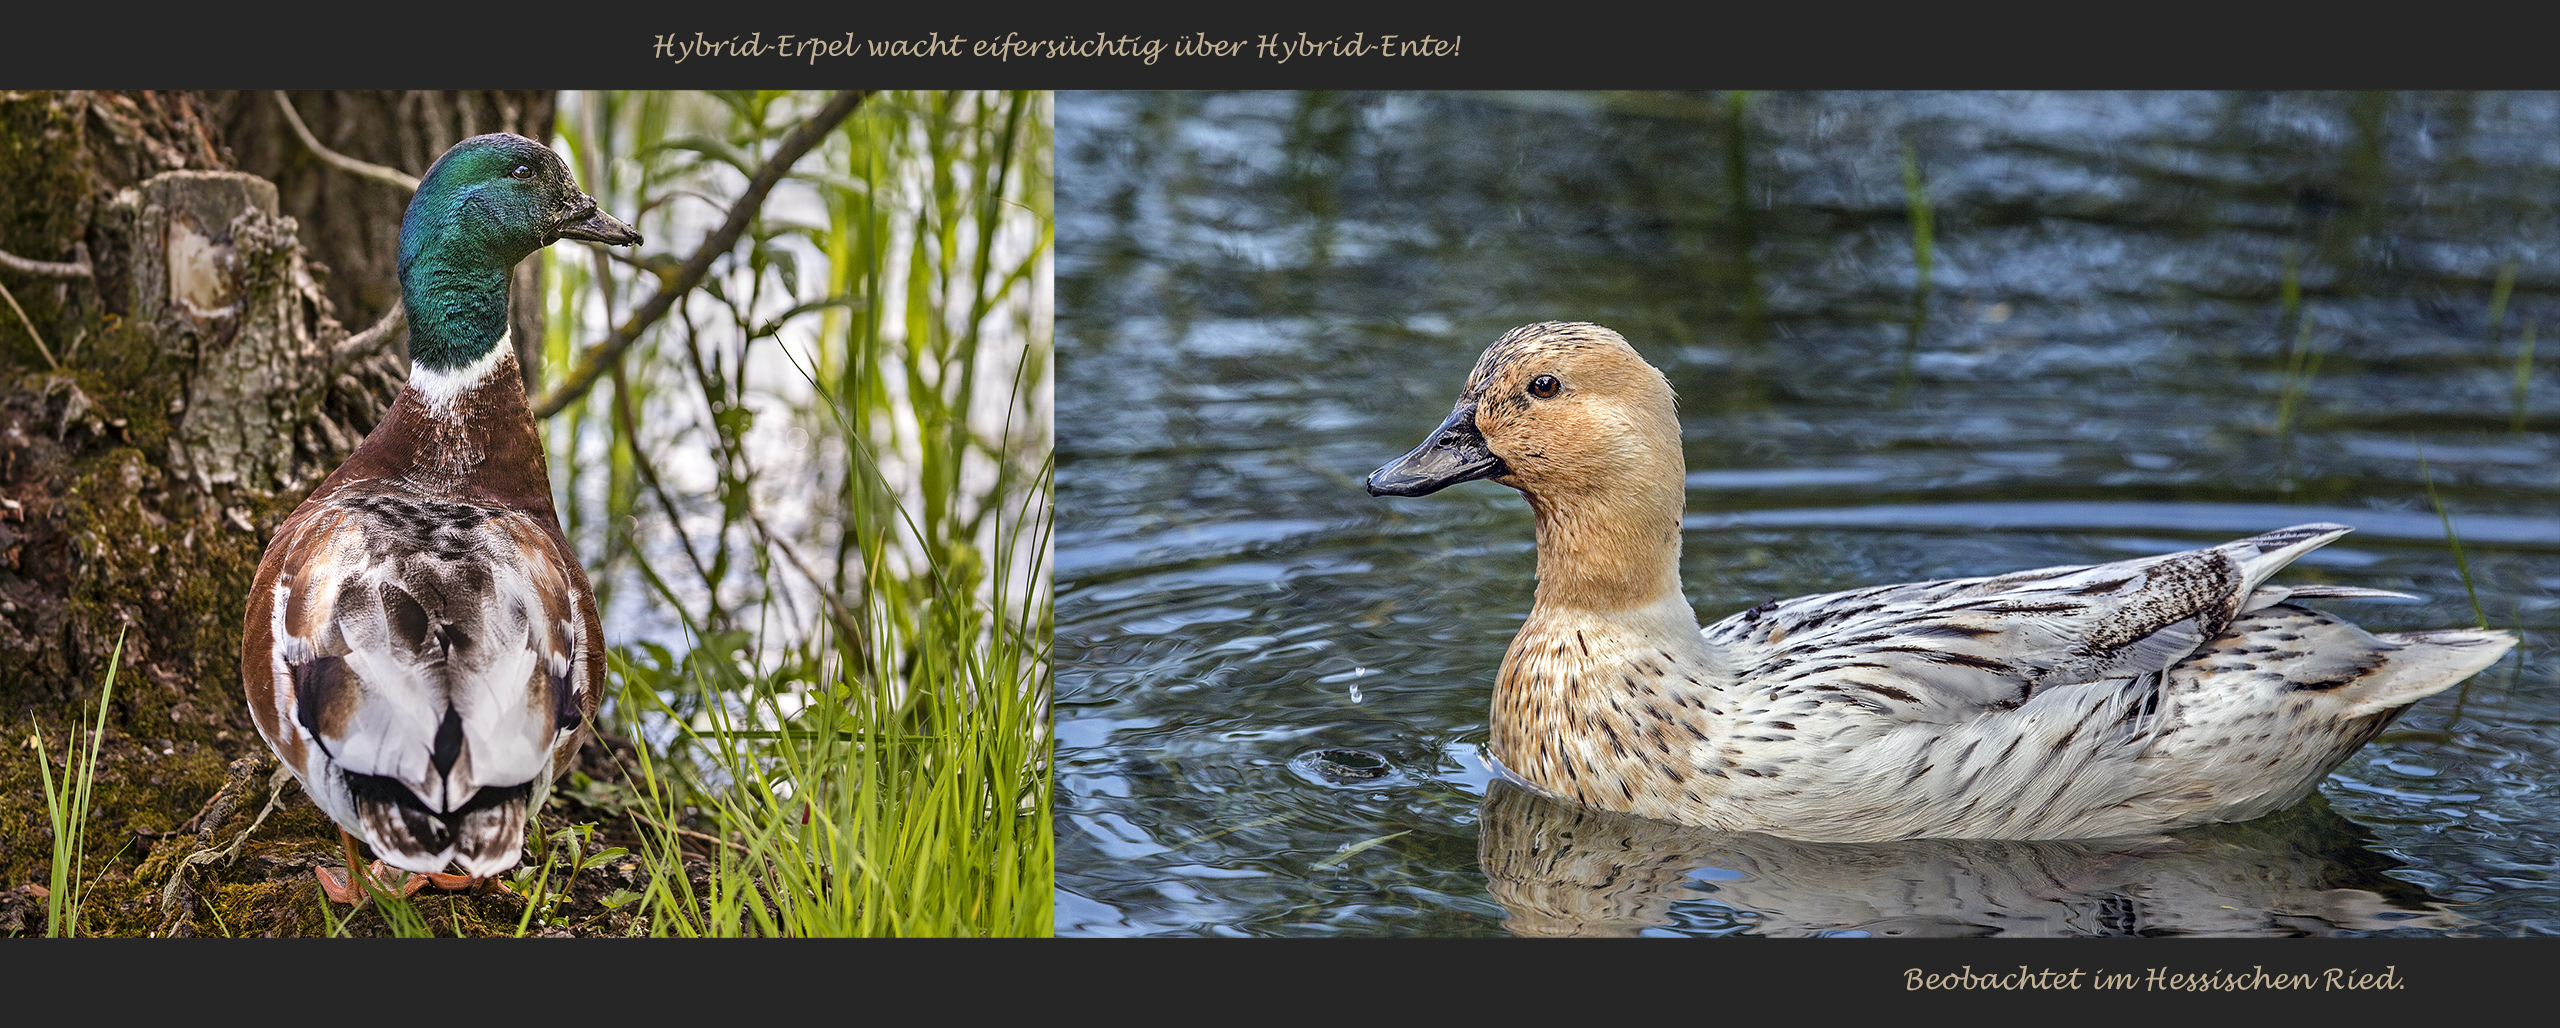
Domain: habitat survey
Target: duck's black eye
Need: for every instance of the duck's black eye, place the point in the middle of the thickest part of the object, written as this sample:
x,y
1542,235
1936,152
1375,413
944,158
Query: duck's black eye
x,y
523,171
1544,386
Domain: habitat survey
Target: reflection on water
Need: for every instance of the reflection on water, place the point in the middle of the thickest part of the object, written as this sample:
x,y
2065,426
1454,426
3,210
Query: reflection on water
x,y
1562,869
2150,322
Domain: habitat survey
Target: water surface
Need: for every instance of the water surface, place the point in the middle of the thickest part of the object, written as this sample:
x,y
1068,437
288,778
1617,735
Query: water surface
x,y
2147,322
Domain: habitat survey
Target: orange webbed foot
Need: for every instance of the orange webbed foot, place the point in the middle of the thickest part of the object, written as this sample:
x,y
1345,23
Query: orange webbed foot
x,y
340,887
334,885
409,883
459,883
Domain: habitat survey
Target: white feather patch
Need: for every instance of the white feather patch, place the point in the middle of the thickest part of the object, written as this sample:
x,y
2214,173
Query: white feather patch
x,y
441,388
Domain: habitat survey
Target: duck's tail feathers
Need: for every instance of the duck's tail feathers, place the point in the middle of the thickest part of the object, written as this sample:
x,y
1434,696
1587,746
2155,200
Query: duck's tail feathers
x,y
2426,663
485,835
2261,556
2270,595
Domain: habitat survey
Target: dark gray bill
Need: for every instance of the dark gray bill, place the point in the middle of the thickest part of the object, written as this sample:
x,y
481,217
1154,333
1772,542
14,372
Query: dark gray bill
x,y
586,221
1455,452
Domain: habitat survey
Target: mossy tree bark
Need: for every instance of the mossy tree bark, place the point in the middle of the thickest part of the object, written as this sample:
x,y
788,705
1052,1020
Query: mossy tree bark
x,y
160,414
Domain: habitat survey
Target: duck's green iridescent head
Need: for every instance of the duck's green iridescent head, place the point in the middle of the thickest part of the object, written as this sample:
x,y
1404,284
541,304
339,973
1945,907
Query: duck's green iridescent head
x,y
487,203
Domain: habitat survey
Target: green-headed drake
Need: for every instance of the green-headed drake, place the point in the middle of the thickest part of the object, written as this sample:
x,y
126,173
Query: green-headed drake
x,y
422,647
2058,703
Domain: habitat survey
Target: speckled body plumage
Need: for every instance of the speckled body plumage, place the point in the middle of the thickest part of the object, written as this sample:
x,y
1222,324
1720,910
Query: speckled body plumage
x,y
421,646
2068,702
421,624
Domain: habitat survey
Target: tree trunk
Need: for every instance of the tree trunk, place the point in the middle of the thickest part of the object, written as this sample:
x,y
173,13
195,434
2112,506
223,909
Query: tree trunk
x,y
160,415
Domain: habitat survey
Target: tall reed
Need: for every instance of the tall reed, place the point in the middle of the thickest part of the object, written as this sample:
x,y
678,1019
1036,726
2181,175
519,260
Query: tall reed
x,y
2501,290
2302,364
2451,538
1915,204
1923,218
2524,374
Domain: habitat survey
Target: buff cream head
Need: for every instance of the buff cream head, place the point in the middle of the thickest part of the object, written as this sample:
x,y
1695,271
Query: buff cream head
x,y
1552,409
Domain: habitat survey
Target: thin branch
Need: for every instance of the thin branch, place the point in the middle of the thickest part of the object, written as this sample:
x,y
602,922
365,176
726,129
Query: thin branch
x,y
23,319
342,162
603,354
646,819
48,269
366,341
841,612
649,474
686,832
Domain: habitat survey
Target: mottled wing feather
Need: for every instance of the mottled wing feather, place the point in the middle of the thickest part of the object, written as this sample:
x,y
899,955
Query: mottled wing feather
x,y
1949,650
436,654
2072,702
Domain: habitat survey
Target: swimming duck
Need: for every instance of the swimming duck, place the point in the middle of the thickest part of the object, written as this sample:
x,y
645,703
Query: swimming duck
x,y
421,645
2058,703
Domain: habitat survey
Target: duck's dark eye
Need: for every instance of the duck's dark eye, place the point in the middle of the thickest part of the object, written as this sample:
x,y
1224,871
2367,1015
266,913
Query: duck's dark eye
x,y
523,171
1544,386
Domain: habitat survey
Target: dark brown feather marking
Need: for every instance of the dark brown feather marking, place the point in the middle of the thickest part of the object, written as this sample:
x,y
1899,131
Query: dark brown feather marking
x,y
1943,630
408,616
323,696
2013,607
448,742
1889,692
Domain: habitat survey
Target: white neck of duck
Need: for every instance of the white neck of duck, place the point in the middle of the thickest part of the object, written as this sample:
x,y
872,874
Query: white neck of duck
x,y
1610,679
441,391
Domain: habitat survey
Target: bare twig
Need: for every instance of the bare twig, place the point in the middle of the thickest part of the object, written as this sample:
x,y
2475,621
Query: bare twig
x,y
649,474
839,610
23,319
654,822
62,270
228,854
686,832
801,140
366,341
342,162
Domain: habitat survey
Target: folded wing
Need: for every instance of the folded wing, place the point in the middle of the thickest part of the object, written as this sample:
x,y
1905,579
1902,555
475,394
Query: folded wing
x,y
1949,650
435,655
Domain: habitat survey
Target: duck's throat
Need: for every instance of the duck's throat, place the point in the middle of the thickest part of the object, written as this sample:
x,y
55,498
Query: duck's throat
x,y
1608,552
473,433
441,389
